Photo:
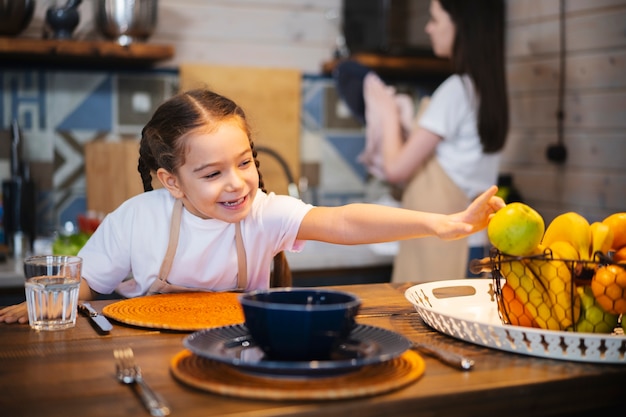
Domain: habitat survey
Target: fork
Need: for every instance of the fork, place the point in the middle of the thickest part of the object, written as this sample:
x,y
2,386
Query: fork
x,y
129,373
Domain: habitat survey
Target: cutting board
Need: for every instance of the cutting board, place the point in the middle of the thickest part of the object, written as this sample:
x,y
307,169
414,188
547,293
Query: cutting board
x,y
111,174
271,99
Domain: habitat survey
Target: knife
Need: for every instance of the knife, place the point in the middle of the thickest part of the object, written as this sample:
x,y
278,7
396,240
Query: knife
x,y
445,356
98,320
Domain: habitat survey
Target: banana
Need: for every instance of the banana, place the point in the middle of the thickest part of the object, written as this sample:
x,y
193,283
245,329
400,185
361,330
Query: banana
x,y
601,236
570,227
530,292
556,277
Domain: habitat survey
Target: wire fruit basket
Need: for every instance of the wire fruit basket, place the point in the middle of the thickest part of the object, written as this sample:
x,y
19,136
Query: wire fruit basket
x,y
548,292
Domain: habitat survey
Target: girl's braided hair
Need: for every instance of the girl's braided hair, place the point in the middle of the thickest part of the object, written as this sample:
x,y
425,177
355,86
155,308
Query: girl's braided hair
x,y
163,138
163,143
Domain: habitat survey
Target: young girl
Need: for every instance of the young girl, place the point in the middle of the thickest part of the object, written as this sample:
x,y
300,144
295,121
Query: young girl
x,y
453,152
212,227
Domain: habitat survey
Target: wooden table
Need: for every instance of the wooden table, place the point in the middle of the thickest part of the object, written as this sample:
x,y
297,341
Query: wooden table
x,y
71,372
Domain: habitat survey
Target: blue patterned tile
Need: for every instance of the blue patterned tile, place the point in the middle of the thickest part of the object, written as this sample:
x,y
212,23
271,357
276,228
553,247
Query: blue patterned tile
x,y
313,104
23,98
349,147
95,112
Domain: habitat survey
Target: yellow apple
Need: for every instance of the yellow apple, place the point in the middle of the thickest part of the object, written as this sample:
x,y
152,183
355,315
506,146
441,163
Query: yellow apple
x,y
516,229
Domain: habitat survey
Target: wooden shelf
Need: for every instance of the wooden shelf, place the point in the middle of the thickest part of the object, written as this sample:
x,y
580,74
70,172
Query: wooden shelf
x,y
401,66
20,51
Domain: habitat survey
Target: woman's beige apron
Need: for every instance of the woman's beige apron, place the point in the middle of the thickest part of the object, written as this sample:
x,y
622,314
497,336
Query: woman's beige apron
x,y
161,285
432,259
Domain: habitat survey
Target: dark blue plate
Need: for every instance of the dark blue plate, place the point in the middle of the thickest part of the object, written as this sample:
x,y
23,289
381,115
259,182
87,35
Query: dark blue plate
x,y
233,345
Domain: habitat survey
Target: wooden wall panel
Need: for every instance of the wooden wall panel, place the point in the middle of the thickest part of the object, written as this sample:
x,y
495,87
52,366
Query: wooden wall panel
x,y
593,179
598,109
297,34
594,151
598,69
583,32
553,190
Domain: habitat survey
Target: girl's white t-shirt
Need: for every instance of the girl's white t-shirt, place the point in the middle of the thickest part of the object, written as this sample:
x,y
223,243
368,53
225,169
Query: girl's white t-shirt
x,y
451,114
127,250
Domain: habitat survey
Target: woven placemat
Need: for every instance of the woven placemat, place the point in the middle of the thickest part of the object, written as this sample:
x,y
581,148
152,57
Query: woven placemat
x,y
220,378
187,311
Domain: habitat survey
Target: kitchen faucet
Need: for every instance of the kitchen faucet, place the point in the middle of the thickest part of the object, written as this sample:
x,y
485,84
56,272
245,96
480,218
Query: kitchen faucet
x,y
292,187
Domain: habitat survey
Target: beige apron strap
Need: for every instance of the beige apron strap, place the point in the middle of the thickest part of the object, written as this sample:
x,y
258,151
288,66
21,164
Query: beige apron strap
x,y
166,265
242,264
161,285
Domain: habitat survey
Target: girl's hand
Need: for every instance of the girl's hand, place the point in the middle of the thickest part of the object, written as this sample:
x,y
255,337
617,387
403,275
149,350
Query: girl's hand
x,y
474,218
14,314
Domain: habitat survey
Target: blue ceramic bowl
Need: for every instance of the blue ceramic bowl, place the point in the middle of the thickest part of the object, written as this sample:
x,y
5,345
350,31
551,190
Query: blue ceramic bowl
x,y
299,324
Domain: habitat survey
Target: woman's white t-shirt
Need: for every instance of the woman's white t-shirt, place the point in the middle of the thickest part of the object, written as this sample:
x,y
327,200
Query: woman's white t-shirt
x,y
133,239
451,114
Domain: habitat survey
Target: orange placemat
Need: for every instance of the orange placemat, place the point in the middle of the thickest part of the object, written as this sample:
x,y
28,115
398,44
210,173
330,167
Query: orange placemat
x,y
187,311
220,378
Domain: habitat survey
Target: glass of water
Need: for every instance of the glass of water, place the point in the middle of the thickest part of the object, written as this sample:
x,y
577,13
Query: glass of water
x,y
52,283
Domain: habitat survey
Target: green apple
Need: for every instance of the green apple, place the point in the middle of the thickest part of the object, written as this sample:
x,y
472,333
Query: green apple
x,y
516,229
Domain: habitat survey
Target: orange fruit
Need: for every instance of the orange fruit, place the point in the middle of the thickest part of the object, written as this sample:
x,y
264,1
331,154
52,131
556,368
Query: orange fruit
x,y
515,309
620,255
617,223
609,288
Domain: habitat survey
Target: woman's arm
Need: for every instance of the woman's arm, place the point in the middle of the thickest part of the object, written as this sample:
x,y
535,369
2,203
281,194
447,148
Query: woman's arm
x,y
401,158
370,223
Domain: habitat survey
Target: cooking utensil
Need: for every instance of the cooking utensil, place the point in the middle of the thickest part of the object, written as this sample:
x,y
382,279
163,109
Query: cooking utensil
x,y
126,21
19,200
15,16
98,320
129,373
62,20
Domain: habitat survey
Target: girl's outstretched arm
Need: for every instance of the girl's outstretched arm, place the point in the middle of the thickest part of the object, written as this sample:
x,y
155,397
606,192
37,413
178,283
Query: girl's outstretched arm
x,y
370,223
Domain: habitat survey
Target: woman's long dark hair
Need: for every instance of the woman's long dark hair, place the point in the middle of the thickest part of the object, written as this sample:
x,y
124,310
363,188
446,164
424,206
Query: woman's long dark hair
x,y
479,51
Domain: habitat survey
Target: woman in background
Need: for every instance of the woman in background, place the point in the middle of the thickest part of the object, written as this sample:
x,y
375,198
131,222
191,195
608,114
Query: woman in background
x,y
452,152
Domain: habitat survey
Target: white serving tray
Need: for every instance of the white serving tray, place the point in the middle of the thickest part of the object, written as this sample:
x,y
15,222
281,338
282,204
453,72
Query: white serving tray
x,y
467,309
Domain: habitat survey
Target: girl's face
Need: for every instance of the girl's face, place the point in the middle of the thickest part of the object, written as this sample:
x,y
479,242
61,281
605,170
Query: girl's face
x,y
219,178
441,30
